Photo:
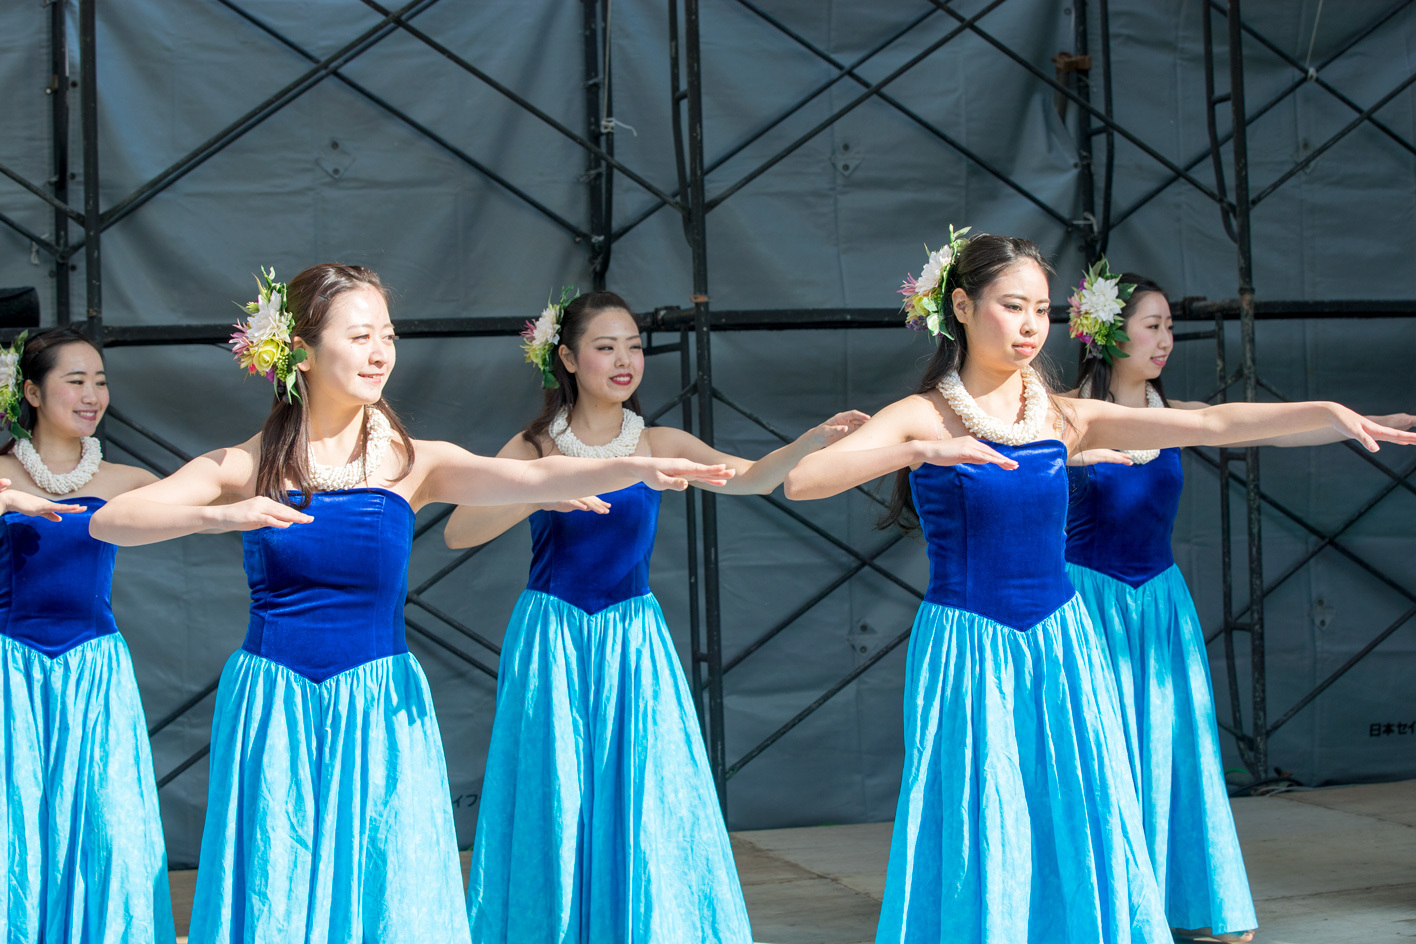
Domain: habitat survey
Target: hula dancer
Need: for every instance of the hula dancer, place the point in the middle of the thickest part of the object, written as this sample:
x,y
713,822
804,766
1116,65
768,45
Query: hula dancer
x,y
81,829
1018,821
599,823
329,817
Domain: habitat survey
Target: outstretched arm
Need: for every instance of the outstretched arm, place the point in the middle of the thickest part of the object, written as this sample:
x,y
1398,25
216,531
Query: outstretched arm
x,y
1103,425
1312,437
472,525
189,501
459,477
761,476
903,435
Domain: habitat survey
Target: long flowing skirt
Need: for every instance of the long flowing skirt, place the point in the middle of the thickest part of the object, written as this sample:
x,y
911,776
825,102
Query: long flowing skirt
x,y
1017,821
328,817
81,831
599,823
1157,652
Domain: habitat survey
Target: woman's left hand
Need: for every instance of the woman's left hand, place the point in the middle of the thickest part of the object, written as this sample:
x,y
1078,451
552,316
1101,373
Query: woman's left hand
x,y
1369,431
838,427
1395,420
1098,456
32,505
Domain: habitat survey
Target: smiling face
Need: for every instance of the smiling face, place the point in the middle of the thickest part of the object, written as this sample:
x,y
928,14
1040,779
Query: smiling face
x,y
354,354
1007,324
1151,330
73,396
608,363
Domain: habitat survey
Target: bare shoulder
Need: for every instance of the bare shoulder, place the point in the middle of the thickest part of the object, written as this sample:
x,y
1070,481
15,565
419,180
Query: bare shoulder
x,y
666,441
235,467
518,447
125,478
919,416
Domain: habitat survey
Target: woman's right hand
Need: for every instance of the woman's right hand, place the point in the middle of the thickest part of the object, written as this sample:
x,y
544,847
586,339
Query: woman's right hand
x,y
962,450
1098,456
593,503
253,513
32,505
676,474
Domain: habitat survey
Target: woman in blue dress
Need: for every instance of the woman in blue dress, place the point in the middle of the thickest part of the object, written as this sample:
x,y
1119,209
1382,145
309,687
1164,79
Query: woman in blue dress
x,y
1119,558
329,817
81,830
599,823
1018,820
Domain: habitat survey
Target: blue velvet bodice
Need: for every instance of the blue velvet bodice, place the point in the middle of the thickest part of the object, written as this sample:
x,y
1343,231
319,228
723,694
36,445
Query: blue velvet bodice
x,y
592,561
1121,516
56,591
328,595
995,536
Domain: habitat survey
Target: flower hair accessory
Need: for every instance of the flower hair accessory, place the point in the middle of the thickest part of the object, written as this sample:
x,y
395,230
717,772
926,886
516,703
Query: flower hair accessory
x,y
924,296
1095,312
542,337
11,384
265,343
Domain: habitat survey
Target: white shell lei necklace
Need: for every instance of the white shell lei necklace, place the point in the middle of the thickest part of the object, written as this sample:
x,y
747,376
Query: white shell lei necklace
x,y
331,478
1142,456
622,445
90,455
1154,402
983,426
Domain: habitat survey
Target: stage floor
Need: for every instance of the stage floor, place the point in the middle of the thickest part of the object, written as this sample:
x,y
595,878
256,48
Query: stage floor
x,y
1328,866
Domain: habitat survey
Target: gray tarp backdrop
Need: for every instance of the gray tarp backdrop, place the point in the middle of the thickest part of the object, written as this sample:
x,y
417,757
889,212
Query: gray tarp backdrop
x,y
835,224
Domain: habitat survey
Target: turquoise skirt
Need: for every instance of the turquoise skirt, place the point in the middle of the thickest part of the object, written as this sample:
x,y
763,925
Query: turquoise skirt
x,y
1157,652
599,822
328,816
1017,821
81,830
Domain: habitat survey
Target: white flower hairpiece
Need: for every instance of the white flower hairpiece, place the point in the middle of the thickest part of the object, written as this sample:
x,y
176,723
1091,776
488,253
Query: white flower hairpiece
x,y
924,296
265,343
542,337
1095,311
11,385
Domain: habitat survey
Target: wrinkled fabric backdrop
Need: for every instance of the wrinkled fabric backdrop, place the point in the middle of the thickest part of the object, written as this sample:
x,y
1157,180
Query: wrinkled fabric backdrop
x,y
837,223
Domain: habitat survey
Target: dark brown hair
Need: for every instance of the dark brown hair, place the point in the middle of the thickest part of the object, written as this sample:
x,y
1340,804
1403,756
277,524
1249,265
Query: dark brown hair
x,y
982,260
39,357
574,320
1094,373
285,437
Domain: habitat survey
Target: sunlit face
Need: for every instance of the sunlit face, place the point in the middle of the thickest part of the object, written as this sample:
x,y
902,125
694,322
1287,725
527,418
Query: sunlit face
x,y
1151,330
1007,325
355,353
609,361
74,395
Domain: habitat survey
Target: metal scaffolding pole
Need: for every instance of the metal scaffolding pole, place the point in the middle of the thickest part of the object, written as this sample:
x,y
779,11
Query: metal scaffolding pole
x,y
58,88
88,109
702,331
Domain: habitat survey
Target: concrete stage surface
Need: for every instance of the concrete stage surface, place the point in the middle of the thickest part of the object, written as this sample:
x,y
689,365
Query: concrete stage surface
x,y
1329,866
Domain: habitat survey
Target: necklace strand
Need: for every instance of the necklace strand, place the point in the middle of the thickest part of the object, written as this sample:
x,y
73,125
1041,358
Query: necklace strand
x,y
1153,402
980,424
1142,456
625,444
90,455
331,478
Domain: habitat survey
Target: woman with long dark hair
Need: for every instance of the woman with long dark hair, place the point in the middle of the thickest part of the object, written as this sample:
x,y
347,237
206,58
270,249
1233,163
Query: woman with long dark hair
x,y
1119,559
329,817
599,822
1018,820
81,826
